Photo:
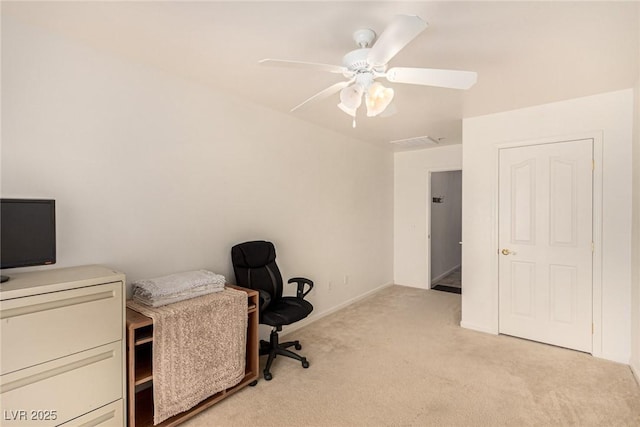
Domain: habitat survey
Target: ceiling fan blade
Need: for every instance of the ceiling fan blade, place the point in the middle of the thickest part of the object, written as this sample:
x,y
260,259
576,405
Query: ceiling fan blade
x,y
452,79
305,65
324,94
397,35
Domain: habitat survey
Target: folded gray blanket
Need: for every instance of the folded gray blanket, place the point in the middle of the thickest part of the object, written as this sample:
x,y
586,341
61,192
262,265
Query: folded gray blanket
x,y
176,287
161,300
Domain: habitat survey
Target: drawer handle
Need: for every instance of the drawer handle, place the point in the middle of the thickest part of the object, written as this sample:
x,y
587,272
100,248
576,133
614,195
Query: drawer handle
x,y
99,420
41,376
51,305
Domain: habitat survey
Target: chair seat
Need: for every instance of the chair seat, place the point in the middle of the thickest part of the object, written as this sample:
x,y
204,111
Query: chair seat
x,y
285,311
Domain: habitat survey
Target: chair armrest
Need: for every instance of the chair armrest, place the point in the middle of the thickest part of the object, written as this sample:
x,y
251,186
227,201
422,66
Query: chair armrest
x,y
301,281
265,299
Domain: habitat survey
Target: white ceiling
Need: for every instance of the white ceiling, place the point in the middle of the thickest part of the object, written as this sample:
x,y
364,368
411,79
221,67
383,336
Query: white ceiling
x,y
525,53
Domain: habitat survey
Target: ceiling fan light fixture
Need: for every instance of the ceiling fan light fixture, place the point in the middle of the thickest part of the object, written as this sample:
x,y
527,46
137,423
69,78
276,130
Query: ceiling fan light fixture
x,y
349,111
351,96
378,99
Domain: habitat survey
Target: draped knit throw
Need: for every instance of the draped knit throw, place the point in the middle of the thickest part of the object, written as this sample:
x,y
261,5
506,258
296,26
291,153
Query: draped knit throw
x,y
199,349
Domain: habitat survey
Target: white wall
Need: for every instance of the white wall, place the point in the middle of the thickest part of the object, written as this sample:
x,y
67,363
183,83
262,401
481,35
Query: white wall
x,y
635,258
609,113
446,222
154,175
411,184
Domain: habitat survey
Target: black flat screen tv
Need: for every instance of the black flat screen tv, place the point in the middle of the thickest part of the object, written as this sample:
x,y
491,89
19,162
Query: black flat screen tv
x,y
27,232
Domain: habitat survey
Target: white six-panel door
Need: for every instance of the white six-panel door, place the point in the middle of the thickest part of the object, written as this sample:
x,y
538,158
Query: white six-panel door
x,y
545,243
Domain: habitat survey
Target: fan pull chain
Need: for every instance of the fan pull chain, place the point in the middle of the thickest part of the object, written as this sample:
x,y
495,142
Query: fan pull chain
x,y
354,123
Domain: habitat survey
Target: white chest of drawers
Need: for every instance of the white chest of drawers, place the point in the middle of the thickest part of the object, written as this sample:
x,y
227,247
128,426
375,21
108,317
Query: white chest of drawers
x,y
62,348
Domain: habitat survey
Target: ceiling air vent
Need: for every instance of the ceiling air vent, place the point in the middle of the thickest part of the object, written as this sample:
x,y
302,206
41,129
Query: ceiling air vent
x,y
416,142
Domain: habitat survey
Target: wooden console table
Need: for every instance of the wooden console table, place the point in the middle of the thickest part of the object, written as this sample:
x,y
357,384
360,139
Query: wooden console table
x,y
140,373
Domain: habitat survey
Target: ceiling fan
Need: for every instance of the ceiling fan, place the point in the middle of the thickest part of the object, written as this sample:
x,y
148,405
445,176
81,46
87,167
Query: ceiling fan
x,y
367,63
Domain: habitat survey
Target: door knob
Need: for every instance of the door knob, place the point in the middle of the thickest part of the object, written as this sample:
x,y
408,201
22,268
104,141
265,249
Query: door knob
x,y
506,252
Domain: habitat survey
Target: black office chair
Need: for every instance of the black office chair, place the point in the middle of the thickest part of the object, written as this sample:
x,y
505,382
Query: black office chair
x,y
254,264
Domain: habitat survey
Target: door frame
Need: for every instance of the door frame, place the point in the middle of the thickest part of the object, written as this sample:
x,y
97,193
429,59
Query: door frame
x,y
428,210
596,270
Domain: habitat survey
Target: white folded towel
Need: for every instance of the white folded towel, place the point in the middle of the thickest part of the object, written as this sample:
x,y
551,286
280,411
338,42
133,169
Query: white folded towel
x,y
159,301
177,283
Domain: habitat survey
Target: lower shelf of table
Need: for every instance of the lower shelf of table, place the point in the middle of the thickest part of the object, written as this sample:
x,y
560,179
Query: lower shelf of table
x,y
144,404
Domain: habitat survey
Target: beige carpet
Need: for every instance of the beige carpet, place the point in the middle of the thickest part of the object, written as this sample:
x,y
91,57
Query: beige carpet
x,y
399,358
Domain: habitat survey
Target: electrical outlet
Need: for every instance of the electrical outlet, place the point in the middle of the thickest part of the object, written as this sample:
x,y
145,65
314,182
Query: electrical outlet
x,y
346,279
330,284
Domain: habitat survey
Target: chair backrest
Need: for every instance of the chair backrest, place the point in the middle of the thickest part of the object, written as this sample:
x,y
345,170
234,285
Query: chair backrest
x,y
254,264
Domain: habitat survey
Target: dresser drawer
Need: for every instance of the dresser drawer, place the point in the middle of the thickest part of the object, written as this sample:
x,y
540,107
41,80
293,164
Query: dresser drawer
x,y
58,391
111,415
42,327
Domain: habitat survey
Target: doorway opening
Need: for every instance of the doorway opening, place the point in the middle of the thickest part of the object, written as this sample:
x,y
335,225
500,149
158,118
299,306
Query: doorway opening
x,y
445,231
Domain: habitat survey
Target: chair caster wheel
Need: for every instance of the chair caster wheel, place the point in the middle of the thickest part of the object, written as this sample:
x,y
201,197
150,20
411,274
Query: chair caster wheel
x,y
298,346
305,364
253,383
268,376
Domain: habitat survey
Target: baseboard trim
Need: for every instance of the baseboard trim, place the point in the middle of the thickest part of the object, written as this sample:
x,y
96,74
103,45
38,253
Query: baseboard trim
x,y
473,327
315,317
635,368
445,274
